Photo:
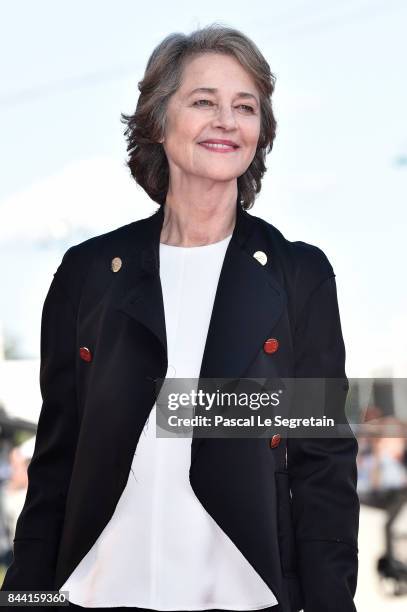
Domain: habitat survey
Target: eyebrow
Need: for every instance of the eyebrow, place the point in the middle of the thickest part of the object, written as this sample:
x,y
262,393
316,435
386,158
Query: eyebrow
x,y
212,90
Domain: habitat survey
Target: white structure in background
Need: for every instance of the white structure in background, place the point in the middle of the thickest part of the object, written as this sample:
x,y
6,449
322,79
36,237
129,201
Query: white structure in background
x,y
2,347
20,392
27,448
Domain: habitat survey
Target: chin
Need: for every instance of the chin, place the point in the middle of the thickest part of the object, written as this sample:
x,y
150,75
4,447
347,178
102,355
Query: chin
x,y
222,176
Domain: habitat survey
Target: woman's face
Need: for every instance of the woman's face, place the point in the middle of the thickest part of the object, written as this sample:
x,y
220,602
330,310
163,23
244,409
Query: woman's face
x,y
230,111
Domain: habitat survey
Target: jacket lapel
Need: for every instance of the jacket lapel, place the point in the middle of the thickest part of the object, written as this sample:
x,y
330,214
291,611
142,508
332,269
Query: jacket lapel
x,y
144,300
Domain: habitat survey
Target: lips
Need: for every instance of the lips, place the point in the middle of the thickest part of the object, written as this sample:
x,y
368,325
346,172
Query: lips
x,y
219,146
220,141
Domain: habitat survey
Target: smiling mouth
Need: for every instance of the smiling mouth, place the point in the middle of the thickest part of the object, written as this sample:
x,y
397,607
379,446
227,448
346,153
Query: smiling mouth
x,y
218,148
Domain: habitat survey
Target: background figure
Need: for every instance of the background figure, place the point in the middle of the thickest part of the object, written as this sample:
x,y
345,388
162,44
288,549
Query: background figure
x,y
15,490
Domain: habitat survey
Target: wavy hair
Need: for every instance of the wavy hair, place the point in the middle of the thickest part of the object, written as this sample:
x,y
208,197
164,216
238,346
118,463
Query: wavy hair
x,y
147,160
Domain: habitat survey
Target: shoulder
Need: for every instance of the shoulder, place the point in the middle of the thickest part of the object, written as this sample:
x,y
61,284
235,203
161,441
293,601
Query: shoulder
x,y
300,267
77,262
299,260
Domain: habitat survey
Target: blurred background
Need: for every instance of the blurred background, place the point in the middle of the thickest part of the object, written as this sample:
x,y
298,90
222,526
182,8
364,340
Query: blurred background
x,y
337,178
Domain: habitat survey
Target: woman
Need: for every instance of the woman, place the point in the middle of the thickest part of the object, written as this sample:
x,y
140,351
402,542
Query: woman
x,y
117,516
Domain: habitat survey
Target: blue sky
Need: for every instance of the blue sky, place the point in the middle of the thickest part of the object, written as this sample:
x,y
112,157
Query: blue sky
x,y
337,175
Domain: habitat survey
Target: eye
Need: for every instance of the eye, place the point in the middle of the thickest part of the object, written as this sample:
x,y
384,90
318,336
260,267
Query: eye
x,y
196,103
250,108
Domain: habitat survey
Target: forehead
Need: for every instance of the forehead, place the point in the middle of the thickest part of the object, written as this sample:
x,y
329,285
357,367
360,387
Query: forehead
x,y
215,70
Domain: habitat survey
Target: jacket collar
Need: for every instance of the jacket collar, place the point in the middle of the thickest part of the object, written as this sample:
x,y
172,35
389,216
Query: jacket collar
x,y
151,254
248,303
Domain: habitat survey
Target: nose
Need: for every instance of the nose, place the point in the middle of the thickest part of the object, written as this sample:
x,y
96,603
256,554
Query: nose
x,y
225,117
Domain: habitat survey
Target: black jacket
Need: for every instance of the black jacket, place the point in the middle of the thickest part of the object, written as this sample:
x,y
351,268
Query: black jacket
x,y
291,508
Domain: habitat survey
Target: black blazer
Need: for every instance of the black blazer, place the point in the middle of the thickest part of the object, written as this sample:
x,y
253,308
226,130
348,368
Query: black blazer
x,y
291,507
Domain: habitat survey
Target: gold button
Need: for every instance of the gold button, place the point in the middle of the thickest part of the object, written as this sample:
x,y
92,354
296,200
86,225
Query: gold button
x,y
261,257
116,264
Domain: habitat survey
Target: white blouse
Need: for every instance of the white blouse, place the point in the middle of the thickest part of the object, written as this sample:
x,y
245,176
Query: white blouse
x,y
161,549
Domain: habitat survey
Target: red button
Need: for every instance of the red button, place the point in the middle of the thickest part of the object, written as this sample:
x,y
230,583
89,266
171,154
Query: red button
x,y
85,353
275,440
270,345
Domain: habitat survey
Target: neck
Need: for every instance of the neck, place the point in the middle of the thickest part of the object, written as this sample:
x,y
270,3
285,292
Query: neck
x,y
198,223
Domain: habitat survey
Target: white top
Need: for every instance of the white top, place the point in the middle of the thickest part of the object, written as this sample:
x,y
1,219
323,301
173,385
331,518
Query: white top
x,y
161,549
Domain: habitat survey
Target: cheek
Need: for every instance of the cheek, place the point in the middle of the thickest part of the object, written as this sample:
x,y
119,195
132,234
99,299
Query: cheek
x,y
186,125
181,148
253,133
183,136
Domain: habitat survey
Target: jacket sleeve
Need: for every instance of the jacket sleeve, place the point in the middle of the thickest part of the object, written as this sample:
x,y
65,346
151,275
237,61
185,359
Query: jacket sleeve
x,y
323,472
39,524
